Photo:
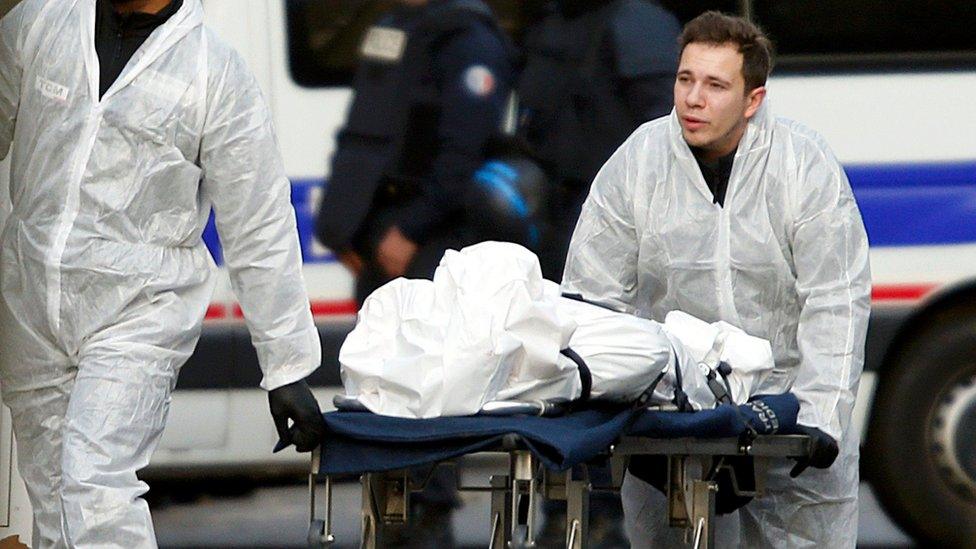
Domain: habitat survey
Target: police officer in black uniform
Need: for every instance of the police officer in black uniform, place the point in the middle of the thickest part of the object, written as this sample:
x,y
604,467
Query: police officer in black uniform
x,y
594,71
431,88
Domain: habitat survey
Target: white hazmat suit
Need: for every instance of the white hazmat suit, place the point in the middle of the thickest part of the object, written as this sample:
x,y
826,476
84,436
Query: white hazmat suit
x,y
785,259
105,279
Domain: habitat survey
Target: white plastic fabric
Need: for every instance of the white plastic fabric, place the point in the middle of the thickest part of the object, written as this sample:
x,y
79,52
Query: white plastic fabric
x,y
104,278
785,259
444,348
751,358
488,327
625,354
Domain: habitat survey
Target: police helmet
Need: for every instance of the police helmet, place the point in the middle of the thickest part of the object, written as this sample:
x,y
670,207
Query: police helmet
x,y
507,200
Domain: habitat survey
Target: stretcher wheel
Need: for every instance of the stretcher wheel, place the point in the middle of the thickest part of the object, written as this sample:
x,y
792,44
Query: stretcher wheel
x,y
922,436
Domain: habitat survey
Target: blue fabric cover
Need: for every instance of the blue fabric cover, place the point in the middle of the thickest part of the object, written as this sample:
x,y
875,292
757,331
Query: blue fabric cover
x,y
357,442
767,414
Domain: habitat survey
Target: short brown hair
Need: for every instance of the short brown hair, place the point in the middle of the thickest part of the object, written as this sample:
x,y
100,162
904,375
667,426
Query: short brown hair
x,y
716,28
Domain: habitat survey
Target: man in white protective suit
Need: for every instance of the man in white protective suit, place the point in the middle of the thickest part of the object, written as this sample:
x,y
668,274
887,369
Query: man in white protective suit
x,y
126,120
723,211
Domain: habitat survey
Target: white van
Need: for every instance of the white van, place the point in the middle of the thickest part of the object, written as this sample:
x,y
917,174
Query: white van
x,y
889,83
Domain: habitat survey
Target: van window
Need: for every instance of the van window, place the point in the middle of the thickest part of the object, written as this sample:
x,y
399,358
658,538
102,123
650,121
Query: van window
x,y
868,32
324,35
686,10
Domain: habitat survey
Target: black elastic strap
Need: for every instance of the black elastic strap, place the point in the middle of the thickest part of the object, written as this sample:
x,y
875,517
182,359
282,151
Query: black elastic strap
x,y
586,378
680,400
722,393
746,437
645,397
581,299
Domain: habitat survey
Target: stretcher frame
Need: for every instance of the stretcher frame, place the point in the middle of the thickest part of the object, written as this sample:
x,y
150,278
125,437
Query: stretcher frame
x,y
691,498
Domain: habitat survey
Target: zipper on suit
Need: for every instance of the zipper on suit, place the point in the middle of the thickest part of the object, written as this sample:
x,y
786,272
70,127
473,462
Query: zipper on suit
x,y
723,282
68,216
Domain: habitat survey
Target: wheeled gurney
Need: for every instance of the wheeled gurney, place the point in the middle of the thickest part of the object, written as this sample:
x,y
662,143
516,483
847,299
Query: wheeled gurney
x,y
548,456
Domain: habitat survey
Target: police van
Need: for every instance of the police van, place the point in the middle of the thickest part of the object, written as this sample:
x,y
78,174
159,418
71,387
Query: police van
x,y
889,85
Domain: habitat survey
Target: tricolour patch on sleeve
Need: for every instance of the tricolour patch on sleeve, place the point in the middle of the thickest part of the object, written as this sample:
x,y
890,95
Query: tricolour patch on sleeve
x,y
479,80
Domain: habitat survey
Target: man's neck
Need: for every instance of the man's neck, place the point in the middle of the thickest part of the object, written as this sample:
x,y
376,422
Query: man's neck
x,y
725,146
153,7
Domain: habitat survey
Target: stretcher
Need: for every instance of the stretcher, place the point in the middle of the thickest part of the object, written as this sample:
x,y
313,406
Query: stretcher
x,y
548,457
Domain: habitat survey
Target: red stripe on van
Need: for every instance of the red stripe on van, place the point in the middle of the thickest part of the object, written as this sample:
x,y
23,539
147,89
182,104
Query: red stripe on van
x,y
319,308
901,292
334,308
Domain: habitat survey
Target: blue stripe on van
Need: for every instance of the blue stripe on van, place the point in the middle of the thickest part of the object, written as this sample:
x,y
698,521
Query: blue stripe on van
x,y
947,174
916,204
902,205
303,201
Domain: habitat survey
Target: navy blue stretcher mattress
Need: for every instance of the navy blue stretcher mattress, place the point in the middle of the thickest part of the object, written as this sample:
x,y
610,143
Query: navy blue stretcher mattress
x,y
359,442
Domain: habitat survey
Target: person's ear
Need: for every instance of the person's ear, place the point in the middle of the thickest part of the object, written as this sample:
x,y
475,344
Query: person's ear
x,y
754,100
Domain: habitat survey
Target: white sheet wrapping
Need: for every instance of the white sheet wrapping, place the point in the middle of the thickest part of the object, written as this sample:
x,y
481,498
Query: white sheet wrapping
x,y
489,327
444,348
751,357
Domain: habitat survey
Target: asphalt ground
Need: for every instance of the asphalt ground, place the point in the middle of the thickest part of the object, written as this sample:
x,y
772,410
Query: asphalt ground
x,y
234,514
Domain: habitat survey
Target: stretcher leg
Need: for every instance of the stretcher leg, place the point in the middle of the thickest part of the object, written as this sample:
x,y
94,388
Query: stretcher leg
x,y
501,512
319,529
523,483
703,513
369,516
573,487
679,506
385,506
577,511
691,504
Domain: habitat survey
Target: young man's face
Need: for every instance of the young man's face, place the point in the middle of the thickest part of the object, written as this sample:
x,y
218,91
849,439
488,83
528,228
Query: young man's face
x,y
711,100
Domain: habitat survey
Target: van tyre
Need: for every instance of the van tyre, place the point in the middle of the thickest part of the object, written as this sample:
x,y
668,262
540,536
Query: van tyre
x,y
921,451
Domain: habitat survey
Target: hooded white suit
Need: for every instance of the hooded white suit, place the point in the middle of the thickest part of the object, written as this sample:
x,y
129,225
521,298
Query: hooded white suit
x,y
785,259
105,279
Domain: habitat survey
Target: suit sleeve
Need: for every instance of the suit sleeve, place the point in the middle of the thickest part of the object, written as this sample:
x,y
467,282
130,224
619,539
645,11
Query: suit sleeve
x,y
245,180
833,280
11,73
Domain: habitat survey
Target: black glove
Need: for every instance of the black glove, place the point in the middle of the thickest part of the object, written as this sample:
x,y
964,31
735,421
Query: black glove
x,y
821,454
295,402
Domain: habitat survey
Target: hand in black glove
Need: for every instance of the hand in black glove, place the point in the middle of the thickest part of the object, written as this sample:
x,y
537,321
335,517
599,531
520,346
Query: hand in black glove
x,y
295,402
821,454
